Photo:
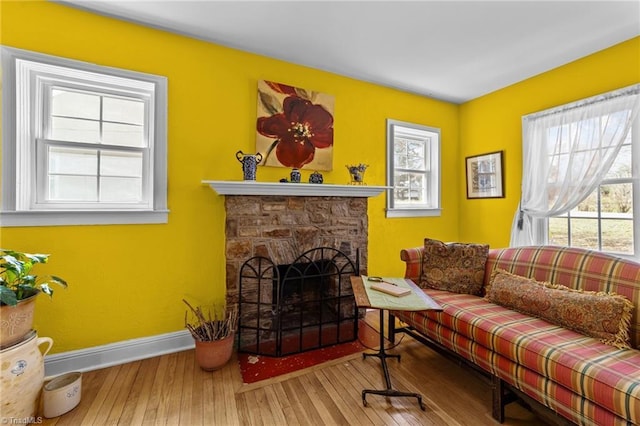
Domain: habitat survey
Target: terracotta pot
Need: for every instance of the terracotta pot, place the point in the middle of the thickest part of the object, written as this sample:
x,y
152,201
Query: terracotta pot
x,y
16,321
213,355
21,377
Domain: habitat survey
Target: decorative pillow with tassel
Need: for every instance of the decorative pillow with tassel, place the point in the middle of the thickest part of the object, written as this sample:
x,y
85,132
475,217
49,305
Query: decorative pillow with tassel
x,y
604,316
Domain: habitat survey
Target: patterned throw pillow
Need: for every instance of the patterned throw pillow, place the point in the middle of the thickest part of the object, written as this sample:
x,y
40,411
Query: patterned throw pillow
x,y
604,316
454,267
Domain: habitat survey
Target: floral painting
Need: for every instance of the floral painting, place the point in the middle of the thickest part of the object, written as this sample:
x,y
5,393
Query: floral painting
x,y
294,127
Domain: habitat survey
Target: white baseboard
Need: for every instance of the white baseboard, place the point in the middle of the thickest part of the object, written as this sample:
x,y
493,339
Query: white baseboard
x,y
117,353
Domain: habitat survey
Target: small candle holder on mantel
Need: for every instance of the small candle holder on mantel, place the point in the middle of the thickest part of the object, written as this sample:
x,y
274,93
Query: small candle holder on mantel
x,y
357,173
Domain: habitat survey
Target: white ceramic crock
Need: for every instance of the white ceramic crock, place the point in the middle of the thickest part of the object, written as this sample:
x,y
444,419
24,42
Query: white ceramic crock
x,y
22,376
62,394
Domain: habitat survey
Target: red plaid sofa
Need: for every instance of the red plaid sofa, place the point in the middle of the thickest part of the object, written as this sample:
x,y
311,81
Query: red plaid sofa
x,y
578,377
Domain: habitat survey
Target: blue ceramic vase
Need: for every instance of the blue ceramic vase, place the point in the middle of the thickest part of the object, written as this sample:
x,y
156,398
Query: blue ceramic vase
x,y
249,164
295,176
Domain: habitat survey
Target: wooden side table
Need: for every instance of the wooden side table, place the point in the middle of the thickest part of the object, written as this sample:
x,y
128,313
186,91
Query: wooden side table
x,y
367,297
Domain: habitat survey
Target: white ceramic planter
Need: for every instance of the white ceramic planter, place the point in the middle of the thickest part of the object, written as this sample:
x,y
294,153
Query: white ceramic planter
x,y
62,394
21,377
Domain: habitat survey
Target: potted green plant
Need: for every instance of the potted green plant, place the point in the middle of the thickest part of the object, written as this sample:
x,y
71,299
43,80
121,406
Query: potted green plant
x,y
213,333
18,291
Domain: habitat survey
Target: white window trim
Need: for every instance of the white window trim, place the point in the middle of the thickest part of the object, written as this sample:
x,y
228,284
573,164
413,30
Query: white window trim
x,y
14,211
393,211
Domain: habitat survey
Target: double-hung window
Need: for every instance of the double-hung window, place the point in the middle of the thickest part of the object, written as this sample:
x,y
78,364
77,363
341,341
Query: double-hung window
x,y
83,144
581,175
413,170
604,220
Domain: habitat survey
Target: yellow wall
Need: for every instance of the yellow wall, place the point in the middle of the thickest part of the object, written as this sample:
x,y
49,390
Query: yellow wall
x,y
128,281
493,123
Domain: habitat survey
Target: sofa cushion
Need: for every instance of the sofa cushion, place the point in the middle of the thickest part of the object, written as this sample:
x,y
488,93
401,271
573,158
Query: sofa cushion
x,y
603,374
604,316
575,268
455,267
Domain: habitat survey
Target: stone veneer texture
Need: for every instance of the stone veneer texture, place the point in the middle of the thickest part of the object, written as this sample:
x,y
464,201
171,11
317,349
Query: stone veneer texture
x,y
281,228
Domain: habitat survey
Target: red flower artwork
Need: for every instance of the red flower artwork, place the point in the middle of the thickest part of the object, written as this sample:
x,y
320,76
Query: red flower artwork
x,y
297,126
282,88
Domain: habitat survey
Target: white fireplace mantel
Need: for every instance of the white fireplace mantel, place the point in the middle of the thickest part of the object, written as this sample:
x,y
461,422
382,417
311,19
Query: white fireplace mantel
x,y
226,187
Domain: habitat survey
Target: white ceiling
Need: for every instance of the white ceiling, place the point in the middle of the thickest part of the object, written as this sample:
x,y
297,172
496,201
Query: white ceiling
x,y
450,50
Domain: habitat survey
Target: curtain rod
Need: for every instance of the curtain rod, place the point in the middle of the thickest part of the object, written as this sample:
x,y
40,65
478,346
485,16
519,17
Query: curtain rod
x,y
625,91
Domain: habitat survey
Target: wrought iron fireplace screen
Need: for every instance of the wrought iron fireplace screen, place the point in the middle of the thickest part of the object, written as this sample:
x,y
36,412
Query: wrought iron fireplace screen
x,y
287,309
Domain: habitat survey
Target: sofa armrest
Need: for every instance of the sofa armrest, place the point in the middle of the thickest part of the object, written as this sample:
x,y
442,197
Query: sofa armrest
x,y
413,259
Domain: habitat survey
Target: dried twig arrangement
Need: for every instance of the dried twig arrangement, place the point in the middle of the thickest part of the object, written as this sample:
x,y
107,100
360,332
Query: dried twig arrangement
x,y
208,328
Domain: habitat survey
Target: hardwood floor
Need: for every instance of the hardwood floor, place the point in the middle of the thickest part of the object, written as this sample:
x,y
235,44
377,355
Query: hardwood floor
x,y
173,390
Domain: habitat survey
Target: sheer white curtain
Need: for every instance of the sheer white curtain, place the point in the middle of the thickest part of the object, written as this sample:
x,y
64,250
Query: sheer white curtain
x,y
567,151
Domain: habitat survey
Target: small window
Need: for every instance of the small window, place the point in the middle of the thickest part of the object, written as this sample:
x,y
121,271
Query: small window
x,y
413,170
83,144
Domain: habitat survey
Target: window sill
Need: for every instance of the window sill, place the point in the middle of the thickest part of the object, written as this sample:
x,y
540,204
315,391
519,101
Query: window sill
x,y
63,218
413,212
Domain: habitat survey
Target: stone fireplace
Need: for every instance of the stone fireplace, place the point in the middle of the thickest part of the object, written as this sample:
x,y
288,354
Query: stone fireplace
x,y
281,228
278,223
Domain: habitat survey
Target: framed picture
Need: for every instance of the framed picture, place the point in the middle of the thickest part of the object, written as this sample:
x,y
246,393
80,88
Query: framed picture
x,y
294,127
484,176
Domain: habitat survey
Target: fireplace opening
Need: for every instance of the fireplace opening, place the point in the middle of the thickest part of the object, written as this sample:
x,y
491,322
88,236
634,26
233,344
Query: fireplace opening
x,y
303,290
305,305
